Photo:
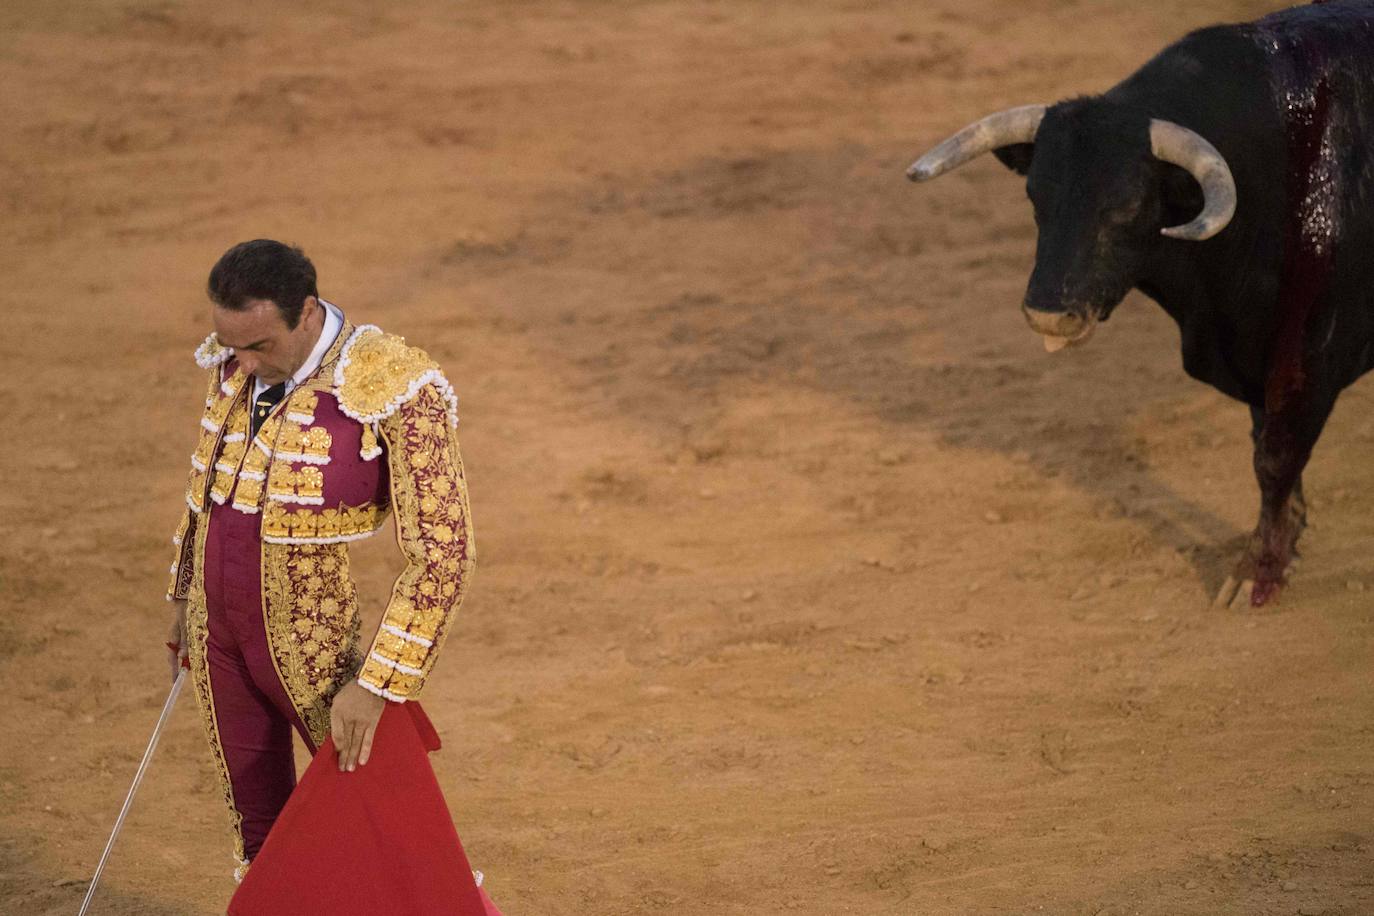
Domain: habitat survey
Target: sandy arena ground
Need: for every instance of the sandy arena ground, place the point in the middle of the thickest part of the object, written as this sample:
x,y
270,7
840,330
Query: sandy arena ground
x,y
808,581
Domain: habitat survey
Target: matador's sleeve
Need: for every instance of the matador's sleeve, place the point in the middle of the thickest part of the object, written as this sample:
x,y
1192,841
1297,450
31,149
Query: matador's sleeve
x,y
210,356
183,563
430,500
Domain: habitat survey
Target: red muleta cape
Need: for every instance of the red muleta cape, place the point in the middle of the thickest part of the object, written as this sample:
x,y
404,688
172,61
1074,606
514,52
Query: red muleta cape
x,y
375,842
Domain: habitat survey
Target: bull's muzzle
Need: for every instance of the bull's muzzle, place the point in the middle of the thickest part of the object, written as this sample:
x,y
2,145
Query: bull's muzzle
x,y
1060,329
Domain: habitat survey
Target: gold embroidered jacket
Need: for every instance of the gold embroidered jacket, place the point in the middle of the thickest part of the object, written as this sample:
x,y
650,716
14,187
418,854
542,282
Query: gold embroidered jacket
x,y
372,431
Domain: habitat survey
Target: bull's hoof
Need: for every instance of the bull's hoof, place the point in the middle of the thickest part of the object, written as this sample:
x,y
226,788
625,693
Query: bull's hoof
x,y
1234,591
1261,592
1248,586
1237,593
1270,555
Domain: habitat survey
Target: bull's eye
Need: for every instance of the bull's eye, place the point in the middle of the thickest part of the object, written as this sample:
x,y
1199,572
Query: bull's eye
x,y
1124,214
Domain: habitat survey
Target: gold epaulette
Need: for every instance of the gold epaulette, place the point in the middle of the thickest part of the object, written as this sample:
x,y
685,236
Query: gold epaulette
x,y
210,354
378,372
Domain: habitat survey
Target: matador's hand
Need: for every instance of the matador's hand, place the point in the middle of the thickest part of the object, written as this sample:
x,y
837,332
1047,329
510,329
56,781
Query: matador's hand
x,y
176,638
353,721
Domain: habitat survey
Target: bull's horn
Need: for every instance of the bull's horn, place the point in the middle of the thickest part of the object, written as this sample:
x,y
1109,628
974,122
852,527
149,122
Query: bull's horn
x,y
1015,125
1185,148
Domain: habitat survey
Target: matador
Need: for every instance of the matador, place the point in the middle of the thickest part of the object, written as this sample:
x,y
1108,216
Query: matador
x,y
314,431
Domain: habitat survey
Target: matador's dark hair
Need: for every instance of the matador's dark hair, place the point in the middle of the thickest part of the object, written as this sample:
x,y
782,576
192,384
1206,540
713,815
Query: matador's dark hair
x,y
263,269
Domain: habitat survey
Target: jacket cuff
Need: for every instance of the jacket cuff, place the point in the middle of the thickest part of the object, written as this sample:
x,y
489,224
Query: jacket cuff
x,y
382,692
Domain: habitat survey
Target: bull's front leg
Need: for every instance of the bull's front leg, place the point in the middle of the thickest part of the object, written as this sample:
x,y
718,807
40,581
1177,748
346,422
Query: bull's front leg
x,y
1283,443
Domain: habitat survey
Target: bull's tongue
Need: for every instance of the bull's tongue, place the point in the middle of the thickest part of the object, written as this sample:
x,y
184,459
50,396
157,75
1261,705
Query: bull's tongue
x,y
1080,328
1055,344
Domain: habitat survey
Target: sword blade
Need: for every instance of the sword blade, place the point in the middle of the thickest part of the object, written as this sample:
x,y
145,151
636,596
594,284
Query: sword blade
x,y
133,789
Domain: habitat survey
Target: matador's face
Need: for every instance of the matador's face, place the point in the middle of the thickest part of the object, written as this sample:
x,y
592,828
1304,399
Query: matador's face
x,y
264,345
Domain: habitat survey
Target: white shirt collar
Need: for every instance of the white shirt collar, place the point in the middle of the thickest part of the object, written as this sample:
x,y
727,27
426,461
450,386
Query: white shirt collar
x,y
333,324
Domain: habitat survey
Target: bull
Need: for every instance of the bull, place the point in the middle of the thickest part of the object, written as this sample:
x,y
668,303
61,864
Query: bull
x,y
1231,180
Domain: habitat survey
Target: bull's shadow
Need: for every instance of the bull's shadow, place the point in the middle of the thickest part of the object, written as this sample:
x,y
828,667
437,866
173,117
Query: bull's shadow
x,y
1096,443
1088,420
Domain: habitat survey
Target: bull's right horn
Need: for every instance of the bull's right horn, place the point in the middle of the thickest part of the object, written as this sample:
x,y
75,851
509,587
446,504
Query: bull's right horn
x,y
1015,125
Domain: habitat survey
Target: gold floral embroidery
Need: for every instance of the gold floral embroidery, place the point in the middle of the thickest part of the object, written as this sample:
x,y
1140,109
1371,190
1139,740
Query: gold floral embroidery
x,y
311,616
218,405
370,448
184,539
225,397
205,449
267,434
345,523
403,685
377,373
195,491
252,473
219,490
231,452
400,650
231,385
295,443
255,461
305,485
280,442
430,499
301,406
248,494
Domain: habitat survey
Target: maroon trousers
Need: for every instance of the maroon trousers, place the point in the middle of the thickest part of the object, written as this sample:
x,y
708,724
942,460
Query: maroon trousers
x,y
253,713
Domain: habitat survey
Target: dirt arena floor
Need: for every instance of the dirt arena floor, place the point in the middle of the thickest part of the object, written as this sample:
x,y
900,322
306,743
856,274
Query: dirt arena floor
x,y
808,582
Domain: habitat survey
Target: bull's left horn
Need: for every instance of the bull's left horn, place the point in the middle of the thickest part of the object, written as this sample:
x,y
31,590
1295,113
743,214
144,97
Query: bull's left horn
x,y
1015,125
1187,149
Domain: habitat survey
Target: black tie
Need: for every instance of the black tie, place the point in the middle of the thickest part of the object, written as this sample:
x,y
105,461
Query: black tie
x,y
264,403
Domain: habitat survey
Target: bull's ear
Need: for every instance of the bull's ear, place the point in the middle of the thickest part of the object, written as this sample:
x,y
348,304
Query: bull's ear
x,y
1016,157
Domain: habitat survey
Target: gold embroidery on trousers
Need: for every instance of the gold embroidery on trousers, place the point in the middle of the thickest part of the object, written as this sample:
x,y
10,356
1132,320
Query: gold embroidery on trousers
x,y
312,622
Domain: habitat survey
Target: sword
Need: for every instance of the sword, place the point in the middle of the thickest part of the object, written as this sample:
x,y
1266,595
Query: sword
x,y
138,778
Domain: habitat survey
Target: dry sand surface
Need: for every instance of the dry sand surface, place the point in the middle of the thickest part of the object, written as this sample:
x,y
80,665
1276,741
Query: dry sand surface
x,y
808,581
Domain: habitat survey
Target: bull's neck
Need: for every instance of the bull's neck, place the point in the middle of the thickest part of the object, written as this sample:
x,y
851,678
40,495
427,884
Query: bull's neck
x,y
1172,279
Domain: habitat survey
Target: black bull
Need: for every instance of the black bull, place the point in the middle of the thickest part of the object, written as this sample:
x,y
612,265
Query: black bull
x,y
1275,302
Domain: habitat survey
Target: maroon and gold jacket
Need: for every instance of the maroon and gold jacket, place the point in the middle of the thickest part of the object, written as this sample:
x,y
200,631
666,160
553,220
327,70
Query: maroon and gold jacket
x,y
371,432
